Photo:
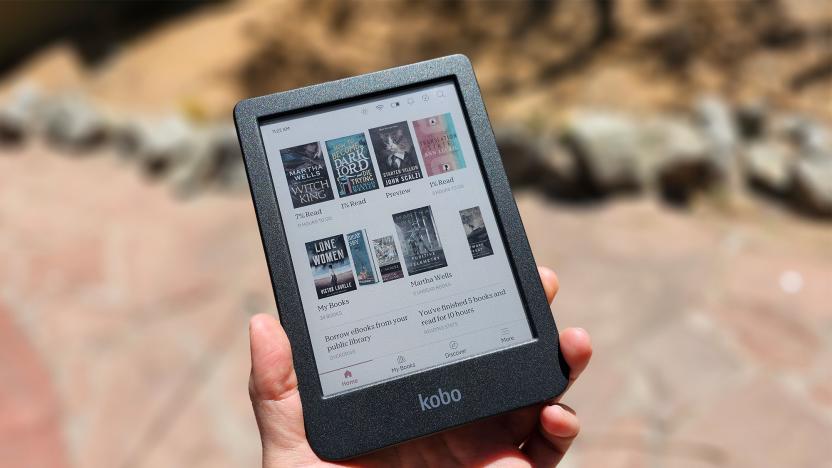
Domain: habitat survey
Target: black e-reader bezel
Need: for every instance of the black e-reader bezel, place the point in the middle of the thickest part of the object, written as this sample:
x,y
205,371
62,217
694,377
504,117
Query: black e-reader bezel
x,y
349,424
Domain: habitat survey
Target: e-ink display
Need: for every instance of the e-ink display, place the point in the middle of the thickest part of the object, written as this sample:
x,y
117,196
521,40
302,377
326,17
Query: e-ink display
x,y
400,262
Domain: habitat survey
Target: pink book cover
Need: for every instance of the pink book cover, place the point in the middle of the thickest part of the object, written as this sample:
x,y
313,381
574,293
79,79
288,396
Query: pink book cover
x,y
439,144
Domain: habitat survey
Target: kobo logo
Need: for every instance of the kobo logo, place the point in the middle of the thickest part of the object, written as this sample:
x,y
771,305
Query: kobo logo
x,y
441,398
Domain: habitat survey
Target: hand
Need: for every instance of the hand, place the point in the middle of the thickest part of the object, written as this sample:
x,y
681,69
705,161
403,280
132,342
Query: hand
x,y
535,436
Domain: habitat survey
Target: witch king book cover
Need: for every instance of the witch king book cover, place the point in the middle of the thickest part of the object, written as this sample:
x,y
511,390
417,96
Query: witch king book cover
x,y
306,174
421,248
395,154
362,258
475,231
330,263
352,165
439,144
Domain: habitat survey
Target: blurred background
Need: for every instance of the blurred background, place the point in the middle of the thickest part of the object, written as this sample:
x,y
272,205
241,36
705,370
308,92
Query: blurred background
x,y
671,160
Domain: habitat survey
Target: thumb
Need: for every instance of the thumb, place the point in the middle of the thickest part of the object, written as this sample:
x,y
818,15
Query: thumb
x,y
273,389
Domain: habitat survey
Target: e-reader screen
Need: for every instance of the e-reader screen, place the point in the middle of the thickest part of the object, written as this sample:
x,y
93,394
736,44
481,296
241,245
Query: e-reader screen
x,y
400,263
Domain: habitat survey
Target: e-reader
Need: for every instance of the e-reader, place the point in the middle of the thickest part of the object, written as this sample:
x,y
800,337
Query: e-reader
x,y
401,270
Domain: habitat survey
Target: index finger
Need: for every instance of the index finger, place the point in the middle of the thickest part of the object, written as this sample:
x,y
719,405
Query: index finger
x,y
550,282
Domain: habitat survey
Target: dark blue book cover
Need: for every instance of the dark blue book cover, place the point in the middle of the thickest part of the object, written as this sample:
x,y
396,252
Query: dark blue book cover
x,y
352,165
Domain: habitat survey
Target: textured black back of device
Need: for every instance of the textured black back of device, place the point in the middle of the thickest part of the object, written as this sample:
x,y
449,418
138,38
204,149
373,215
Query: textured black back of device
x,y
354,423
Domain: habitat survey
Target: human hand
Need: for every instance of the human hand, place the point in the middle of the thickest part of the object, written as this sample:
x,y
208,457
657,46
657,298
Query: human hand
x,y
534,436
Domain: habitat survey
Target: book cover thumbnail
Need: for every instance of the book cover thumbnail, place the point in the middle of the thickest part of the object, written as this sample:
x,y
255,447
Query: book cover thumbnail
x,y
330,265
306,174
388,259
352,165
439,144
420,243
474,226
395,154
362,259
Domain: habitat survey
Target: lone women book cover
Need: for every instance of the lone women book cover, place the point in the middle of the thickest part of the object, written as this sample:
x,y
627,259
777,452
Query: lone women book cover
x,y
439,144
352,165
420,243
395,154
362,259
388,259
475,231
306,174
330,265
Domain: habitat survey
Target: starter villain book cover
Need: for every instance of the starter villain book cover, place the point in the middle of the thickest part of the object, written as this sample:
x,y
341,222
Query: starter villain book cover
x,y
352,165
306,174
395,154
330,265
420,243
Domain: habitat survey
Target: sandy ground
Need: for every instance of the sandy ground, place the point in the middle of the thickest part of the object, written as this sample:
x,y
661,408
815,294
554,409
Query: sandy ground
x,y
123,325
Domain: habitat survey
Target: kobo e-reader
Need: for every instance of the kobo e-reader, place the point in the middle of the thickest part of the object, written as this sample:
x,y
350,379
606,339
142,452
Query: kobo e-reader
x,y
402,273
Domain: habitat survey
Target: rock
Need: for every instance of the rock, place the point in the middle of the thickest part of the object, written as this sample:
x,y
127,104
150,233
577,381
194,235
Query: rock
x,y
768,166
810,137
715,119
214,158
812,179
160,146
606,147
16,115
751,120
231,172
560,175
542,161
73,122
12,127
677,158
521,153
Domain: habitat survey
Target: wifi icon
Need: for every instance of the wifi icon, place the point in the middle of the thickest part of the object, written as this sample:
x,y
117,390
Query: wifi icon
x,y
380,106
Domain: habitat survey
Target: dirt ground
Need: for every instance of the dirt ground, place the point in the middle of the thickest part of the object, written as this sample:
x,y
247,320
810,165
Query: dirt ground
x,y
124,316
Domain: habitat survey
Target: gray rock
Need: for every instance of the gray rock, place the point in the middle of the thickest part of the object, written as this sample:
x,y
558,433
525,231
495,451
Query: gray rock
x,y
715,119
813,185
539,160
161,145
768,166
17,114
752,120
717,123
677,158
213,159
810,137
231,171
71,121
606,147
521,152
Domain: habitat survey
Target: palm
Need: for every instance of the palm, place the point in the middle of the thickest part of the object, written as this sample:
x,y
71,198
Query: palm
x,y
534,436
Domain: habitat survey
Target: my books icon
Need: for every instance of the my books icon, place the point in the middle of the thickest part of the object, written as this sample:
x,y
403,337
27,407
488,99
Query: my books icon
x,y
347,374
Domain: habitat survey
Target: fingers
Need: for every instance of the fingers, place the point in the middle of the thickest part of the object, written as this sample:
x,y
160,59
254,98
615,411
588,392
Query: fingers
x,y
558,428
274,395
577,350
550,282
272,374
